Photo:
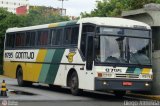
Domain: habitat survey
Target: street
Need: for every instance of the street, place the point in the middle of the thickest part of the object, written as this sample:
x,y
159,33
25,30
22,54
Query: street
x,y
42,95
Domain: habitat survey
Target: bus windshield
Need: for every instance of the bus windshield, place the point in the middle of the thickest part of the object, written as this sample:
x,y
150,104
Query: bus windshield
x,y
111,48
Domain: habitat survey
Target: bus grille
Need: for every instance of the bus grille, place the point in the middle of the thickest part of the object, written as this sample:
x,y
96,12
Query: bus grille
x,y
127,76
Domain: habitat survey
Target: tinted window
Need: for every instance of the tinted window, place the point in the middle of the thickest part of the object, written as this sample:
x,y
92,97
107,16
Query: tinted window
x,y
20,39
68,34
56,36
71,35
75,32
30,38
10,40
42,37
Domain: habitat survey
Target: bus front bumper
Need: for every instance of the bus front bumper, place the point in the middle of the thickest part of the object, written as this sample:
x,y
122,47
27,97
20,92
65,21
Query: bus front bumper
x,y
122,84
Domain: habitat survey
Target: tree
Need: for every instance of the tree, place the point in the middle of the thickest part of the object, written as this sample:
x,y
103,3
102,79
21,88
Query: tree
x,y
115,7
43,15
7,20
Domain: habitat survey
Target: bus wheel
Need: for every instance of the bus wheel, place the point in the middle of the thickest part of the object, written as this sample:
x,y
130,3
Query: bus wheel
x,y
20,77
20,80
119,93
74,83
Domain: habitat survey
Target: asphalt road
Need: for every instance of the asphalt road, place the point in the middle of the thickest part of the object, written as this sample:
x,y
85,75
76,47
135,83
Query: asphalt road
x,y
42,95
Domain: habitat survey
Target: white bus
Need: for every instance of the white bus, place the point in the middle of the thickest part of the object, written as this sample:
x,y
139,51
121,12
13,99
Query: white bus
x,y
97,53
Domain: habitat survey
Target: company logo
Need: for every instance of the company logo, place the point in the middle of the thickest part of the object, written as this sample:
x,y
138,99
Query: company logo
x,y
113,70
24,55
70,56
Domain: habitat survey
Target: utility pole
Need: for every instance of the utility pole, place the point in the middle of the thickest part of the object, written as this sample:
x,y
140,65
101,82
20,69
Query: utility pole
x,y
62,6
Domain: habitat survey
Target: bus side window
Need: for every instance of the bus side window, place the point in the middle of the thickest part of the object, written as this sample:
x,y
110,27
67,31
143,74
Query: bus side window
x,y
20,39
30,38
42,38
74,38
10,39
68,34
56,36
53,34
85,29
71,35
59,33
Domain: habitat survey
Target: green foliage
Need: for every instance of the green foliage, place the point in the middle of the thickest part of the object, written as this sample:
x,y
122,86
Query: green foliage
x,y
7,20
115,7
41,15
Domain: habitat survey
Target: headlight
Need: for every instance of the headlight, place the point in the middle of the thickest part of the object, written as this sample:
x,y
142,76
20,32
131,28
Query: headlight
x,y
146,76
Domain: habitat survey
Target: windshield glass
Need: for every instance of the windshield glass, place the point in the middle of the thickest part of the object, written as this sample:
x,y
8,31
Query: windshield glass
x,y
122,49
111,49
139,51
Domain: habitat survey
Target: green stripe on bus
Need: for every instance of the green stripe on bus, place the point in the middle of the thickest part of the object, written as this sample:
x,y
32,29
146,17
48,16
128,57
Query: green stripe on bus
x,y
67,23
45,67
54,67
130,70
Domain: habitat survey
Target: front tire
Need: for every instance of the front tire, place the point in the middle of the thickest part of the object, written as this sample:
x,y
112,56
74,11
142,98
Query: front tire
x,y
74,85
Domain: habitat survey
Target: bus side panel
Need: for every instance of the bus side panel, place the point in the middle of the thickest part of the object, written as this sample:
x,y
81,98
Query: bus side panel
x,y
34,69
74,62
64,67
9,69
50,67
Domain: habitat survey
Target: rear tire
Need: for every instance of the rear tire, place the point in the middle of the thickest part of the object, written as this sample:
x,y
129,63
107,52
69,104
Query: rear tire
x,y
74,84
20,80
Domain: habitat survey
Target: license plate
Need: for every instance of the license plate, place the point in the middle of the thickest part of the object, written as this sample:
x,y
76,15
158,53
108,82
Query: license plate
x,y
127,83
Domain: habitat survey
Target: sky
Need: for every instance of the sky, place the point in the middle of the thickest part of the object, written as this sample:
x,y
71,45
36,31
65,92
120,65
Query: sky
x,y
74,7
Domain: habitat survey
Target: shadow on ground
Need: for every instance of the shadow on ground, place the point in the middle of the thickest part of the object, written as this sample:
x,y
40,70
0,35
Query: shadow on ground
x,y
96,96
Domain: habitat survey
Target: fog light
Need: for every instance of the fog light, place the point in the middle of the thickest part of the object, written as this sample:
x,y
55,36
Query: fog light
x,y
146,84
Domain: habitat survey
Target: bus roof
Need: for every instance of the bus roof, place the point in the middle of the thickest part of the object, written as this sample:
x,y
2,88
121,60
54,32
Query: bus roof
x,y
102,21
115,22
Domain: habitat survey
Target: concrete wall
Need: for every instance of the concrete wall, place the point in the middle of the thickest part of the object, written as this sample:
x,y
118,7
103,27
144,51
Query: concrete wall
x,y
156,38
156,70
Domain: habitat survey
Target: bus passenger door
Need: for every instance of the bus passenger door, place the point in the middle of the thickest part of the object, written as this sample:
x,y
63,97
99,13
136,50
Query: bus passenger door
x,y
89,75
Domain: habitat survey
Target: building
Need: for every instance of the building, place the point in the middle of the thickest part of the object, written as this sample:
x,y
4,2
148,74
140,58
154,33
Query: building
x,y
22,10
12,5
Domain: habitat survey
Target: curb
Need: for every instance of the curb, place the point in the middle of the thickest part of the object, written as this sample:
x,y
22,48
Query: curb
x,y
153,97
